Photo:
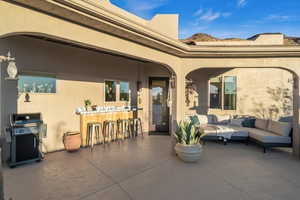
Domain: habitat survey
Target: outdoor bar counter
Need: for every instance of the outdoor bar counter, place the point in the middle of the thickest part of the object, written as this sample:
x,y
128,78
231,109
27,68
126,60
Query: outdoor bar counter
x,y
100,117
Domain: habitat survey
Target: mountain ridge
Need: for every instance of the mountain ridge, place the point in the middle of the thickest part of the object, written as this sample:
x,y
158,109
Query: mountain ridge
x,y
203,37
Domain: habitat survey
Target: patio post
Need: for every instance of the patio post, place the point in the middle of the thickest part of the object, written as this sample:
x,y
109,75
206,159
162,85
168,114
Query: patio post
x,y
296,101
180,95
1,175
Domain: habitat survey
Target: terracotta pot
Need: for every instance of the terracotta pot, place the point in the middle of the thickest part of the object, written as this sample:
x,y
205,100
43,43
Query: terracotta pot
x,y
189,153
72,141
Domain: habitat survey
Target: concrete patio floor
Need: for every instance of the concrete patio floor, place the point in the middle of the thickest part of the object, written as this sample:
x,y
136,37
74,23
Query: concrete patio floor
x,y
145,169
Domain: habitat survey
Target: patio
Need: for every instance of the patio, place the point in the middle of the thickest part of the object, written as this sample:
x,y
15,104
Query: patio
x,y
146,169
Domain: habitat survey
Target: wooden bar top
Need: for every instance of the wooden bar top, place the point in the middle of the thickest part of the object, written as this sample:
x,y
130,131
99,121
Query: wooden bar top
x,y
100,117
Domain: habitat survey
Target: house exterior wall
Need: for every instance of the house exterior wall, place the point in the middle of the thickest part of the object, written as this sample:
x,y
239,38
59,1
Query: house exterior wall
x,y
166,24
163,23
257,95
87,25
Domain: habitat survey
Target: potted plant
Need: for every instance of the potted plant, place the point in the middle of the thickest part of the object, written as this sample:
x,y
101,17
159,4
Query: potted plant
x,y
87,104
188,147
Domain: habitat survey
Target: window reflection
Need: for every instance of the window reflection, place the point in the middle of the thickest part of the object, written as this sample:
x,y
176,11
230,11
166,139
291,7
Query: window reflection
x,y
36,84
110,91
124,91
223,90
216,92
229,93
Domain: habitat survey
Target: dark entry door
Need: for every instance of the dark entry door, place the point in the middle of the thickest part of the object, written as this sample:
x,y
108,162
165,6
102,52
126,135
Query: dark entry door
x,y
159,110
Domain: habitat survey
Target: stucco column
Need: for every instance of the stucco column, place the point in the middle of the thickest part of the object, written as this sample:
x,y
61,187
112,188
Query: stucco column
x,y
296,133
1,177
180,96
1,104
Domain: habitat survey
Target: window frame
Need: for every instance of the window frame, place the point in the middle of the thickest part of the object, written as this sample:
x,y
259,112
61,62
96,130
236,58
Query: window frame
x,y
129,91
222,92
104,86
223,95
118,91
40,75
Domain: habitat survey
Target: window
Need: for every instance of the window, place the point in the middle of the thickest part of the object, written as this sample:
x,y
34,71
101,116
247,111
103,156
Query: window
x,y
229,93
36,84
117,91
110,91
124,91
216,92
223,93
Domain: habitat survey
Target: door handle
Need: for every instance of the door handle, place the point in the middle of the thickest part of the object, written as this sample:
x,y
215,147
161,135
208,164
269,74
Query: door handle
x,y
34,142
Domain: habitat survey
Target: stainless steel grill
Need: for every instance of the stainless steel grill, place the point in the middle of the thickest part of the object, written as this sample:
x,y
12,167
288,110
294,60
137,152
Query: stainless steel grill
x,y
26,137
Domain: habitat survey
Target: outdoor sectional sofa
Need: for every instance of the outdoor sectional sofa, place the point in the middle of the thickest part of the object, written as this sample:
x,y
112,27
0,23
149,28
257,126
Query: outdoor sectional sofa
x,y
266,133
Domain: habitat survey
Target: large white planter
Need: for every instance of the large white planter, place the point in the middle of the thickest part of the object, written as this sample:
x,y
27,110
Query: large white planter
x,y
189,153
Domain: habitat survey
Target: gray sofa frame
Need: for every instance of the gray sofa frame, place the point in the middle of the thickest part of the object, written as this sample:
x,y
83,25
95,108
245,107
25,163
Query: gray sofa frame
x,y
265,146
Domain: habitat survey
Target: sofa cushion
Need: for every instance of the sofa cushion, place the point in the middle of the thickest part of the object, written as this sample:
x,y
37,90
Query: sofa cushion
x,y
223,119
213,130
239,131
261,124
212,119
209,130
187,117
280,128
268,137
203,119
236,122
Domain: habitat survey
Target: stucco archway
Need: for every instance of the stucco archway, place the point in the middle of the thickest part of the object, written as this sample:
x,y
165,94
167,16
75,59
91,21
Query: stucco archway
x,y
294,86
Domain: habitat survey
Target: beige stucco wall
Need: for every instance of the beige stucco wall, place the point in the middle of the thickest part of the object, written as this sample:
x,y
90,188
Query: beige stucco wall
x,y
257,94
92,30
166,24
261,96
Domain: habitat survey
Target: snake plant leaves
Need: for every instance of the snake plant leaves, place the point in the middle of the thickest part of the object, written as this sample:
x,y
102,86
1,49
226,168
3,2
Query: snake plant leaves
x,y
187,133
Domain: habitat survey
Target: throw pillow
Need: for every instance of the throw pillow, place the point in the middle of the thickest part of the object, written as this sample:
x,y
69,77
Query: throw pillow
x,y
249,123
194,119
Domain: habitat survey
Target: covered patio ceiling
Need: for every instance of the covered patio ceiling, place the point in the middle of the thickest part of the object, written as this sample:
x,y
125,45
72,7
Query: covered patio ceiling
x,y
147,169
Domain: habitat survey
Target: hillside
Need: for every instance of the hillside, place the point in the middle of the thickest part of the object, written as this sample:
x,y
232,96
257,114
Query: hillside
x,y
203,37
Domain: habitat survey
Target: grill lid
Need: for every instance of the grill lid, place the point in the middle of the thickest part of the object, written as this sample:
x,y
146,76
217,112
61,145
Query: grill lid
x,y
26,118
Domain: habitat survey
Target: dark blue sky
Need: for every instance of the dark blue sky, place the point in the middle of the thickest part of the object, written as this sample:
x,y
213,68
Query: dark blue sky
x,y
223,18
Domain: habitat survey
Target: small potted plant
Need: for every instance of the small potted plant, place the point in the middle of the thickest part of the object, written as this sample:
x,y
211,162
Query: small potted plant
x,y
87,104
188,147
